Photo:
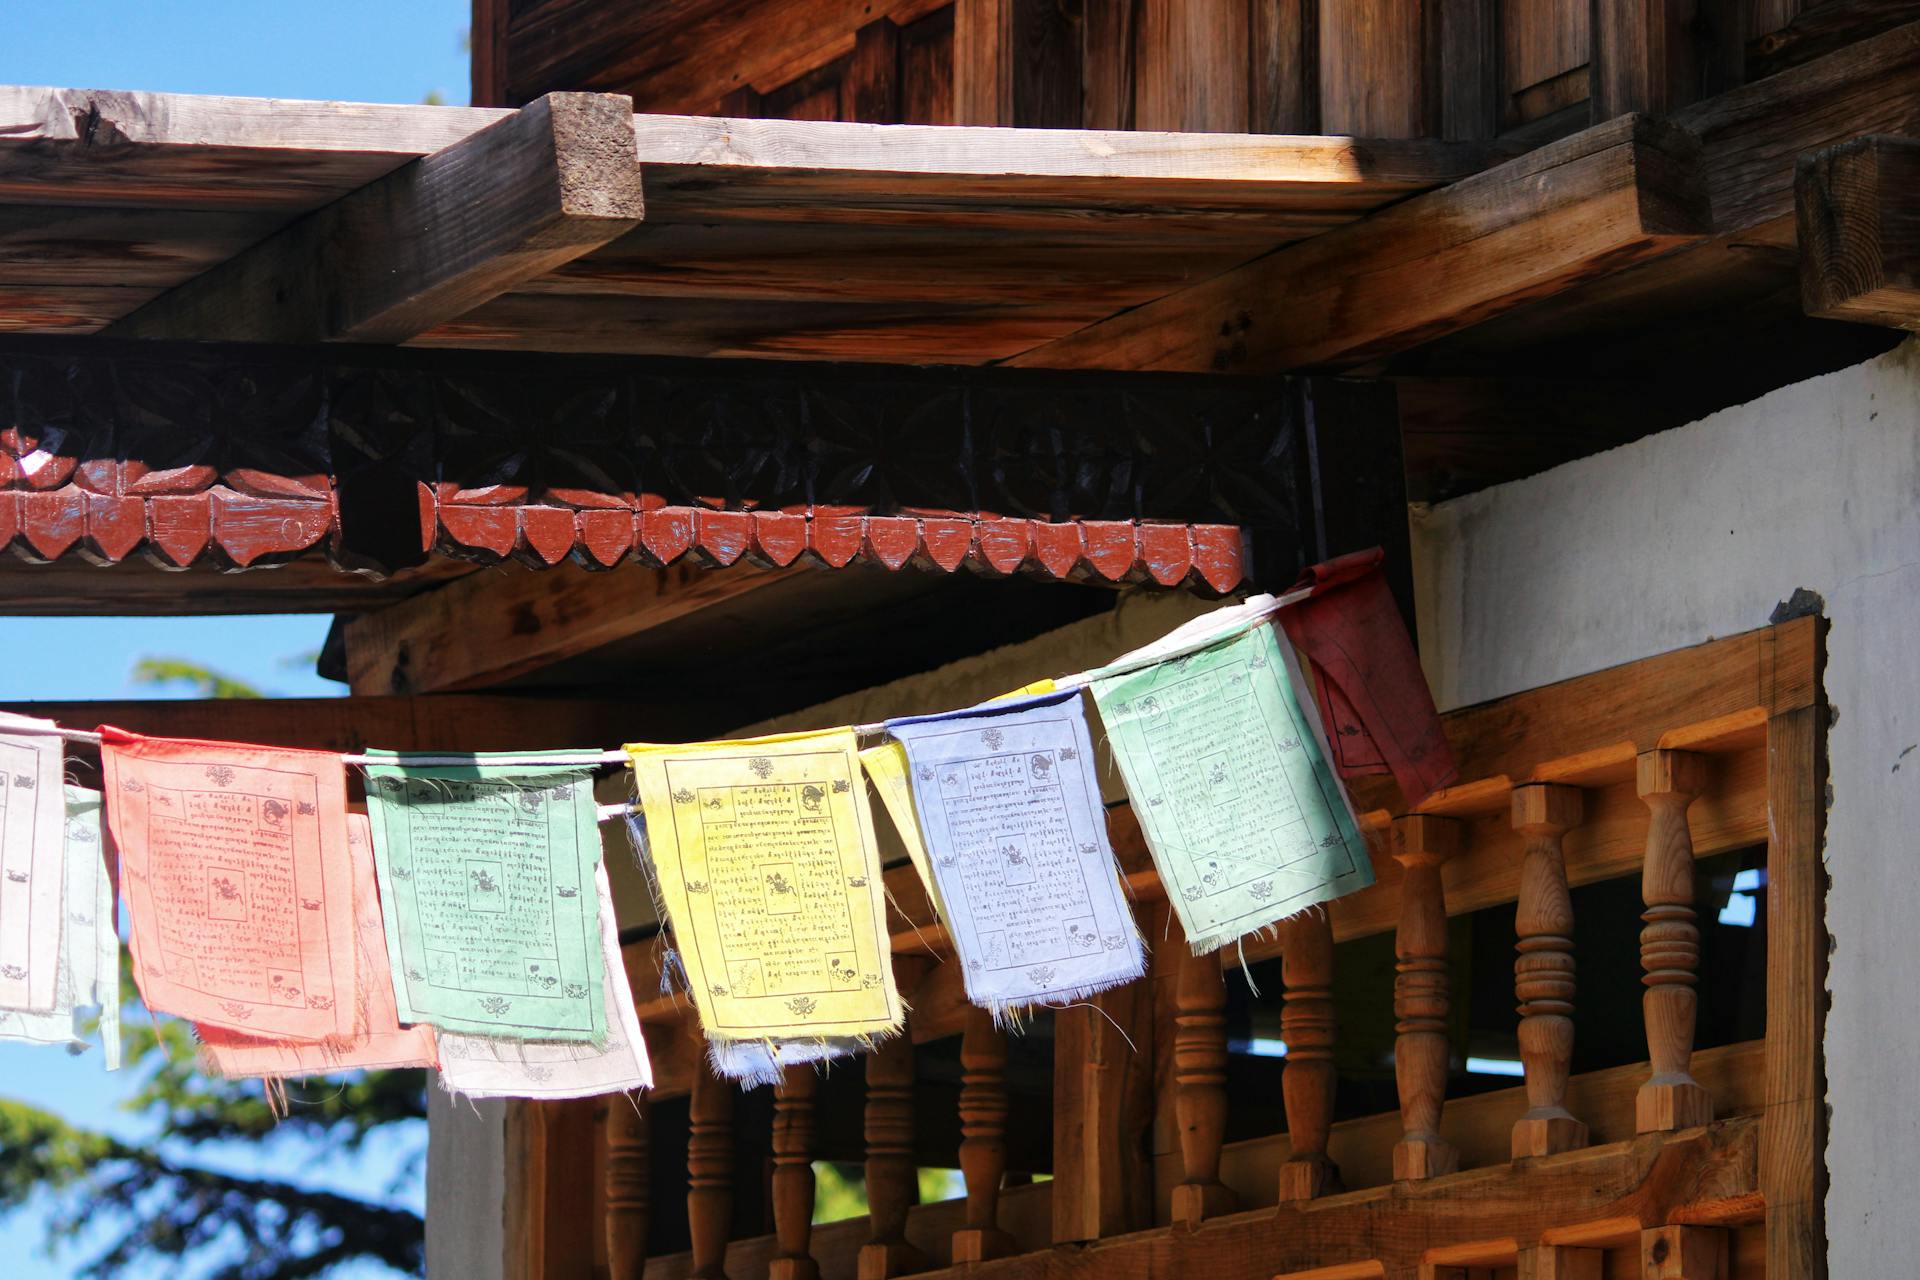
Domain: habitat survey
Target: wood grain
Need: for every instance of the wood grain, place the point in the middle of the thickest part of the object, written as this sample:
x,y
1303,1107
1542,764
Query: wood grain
x,y
1594,203
1859,232
428,242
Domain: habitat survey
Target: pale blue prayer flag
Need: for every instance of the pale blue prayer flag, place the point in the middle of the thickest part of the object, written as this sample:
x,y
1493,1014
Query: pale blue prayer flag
x,y
1016,837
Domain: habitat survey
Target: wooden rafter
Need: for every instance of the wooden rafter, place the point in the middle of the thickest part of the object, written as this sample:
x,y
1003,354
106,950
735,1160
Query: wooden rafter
x,y
426,243
1618,193
1858,216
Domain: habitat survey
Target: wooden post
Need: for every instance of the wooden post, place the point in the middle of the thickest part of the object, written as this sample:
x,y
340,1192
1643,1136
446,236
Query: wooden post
x,y
626,1186
1200,1075
709,1171
793,1175
1307,1026
1543,975
1683,1253
983,1144
1670,944
1561,1262
1421,843
891,1188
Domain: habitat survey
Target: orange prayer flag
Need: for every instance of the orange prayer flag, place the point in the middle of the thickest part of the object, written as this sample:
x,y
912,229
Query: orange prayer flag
x,y
238,881
379,1041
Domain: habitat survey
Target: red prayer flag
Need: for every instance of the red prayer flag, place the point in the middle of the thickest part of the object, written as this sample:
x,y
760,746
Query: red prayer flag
x,y
236,874
1373,696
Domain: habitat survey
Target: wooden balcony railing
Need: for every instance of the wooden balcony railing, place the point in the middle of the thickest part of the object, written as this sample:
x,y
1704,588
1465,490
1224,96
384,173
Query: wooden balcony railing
x,y
1690,1165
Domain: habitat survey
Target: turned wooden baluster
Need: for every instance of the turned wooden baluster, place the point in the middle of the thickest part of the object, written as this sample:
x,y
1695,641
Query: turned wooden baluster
x,y
1306,1025
709,1172
793,1175
892,1182
1200,1076
1543,974
626,1186
1670,944
1421,843
983,1144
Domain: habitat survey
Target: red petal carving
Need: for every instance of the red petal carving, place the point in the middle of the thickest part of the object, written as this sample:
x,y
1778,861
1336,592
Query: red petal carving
x,y
1057,548
836,538
429,517
250,529
100,475
548,533
137,480
179,528
892,540
1001,545
493,530
946,542
1167,552
606,536
115,527
271,484
490,495
779,537
722,536
53,522
1220,554
9,518
1110,547
666,534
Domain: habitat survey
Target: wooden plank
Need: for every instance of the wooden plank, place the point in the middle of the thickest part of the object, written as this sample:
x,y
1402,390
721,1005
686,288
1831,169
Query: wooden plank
x,y
1191,66
1658,55
1107,34
87,146
1793,1137
1284,38
428,242
487,38
1616,194
685,55
508,625
1858,218
1373,70
549,1224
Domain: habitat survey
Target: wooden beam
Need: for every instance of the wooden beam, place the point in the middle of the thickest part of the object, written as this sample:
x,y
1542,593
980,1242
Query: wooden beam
x,y
1857,211
427,243
491,628
1618,193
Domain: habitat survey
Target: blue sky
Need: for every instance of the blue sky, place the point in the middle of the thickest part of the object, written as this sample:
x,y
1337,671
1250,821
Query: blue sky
x,y
361,50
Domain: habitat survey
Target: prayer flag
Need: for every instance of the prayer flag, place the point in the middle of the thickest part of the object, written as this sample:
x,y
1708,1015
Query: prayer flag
x,y
887,767
764,853
379,1041
486,873
1011,815
89,974
238,882
1373,696
1245,820
33,823
757,1062
485,1067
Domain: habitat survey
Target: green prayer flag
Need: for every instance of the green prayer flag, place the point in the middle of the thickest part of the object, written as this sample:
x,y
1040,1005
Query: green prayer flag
x,y
1246,823
486,874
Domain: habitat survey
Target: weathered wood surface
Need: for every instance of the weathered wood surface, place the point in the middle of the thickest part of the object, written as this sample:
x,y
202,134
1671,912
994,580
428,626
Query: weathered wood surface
x,y
1615,194
138,588
1858,218
426,243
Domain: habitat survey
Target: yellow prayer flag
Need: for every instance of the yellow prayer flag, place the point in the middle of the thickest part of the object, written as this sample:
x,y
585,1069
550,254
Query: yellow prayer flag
x,y
1044,684
765,855
887,765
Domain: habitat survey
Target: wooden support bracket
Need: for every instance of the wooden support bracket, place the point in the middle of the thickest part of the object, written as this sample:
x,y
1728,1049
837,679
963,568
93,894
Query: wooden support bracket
x,y
1857,210
428,242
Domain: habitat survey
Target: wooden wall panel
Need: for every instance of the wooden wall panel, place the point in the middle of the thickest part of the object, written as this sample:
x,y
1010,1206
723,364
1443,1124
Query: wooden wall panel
x,y
1372,70
926,69
1542,58
1283,92
1191,66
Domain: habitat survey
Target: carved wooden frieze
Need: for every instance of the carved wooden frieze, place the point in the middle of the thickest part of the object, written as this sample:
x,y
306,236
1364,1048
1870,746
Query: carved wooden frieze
x,y
253,455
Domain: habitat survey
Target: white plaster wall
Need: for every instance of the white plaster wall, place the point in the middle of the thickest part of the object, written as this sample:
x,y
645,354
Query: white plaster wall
x,y
1696,533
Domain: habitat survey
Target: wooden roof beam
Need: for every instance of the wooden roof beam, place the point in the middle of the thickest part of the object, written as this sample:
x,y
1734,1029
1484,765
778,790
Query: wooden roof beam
x,y
1616,194
1857,210
429,241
